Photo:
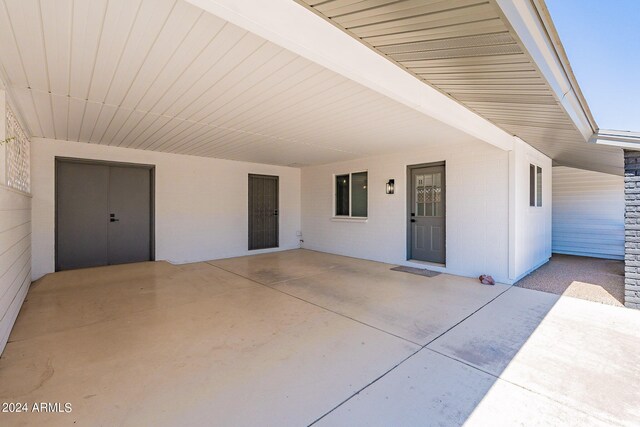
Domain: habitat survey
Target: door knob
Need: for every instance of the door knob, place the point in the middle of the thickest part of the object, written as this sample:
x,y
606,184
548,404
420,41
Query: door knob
x,y
114,219
275,212
413,220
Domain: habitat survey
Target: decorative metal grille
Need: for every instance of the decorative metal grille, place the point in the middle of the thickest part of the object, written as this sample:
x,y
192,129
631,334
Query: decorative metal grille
x,y
17,154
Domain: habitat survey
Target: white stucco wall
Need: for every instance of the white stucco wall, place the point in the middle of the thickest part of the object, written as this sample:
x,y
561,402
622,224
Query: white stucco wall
x,y
530,227
477,208
201,206
200,203
588,213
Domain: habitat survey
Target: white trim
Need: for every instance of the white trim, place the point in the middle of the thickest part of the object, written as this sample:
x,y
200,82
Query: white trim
x,y
513,186
15,190
349,219
299,30
618,135
629,145
617,138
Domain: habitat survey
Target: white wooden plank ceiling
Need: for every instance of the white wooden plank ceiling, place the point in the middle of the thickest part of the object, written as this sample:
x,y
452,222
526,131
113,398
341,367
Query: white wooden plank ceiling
x,y
164,75
465,49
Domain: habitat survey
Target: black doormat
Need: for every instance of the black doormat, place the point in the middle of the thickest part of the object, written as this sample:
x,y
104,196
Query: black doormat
x,y
417,271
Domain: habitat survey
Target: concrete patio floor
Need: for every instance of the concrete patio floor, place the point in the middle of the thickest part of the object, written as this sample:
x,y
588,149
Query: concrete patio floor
x,y
297,337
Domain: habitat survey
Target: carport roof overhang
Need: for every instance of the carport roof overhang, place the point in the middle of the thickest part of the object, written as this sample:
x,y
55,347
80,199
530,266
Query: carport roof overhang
x,y
272,82
291,26
165,75
500,58
500,61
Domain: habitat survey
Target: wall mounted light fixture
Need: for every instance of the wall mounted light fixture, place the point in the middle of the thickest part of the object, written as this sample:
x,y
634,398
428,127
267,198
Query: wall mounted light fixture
x,y
390,186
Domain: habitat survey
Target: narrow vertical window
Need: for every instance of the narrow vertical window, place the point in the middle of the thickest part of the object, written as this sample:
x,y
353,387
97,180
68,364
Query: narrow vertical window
x,y
535,186
539,186
342,195
359,194
532,185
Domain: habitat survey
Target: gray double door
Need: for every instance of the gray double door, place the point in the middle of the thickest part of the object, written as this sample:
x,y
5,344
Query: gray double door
x,y
427,213
263,212
103,214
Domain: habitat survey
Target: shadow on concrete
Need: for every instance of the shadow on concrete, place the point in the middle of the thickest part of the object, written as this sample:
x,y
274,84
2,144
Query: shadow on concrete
x,y
454,379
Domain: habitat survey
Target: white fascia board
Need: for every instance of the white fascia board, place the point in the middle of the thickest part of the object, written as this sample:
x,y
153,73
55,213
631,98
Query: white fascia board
x,y
525,20
618,135
620,144
615,138
293,27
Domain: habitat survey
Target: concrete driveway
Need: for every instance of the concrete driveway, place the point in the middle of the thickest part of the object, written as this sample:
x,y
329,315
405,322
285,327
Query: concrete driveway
x,y
300,337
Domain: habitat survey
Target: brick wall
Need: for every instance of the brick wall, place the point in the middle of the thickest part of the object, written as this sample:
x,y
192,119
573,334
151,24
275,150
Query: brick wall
x,y
632,229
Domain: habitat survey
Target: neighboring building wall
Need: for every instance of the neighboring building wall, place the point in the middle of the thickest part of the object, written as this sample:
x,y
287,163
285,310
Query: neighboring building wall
x,y
477,207
632,229
200,203
588,213
529,227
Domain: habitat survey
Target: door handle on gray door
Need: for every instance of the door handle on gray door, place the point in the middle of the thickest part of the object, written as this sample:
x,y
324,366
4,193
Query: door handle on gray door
x,y
413,220
114,219
275,212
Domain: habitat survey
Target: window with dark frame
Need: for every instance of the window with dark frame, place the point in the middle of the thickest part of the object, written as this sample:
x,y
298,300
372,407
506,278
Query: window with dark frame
x,y
351,195
532,185
539,186
342,195
535,186
359,194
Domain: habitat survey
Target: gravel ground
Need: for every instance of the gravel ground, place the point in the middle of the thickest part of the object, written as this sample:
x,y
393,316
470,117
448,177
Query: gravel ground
x,y
593,279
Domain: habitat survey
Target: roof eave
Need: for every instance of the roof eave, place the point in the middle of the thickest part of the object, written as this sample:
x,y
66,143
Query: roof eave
x,y
531,20
617,138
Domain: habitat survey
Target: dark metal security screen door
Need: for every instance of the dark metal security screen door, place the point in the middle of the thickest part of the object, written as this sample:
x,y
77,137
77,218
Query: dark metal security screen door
x,y
103,214
427,213
263,211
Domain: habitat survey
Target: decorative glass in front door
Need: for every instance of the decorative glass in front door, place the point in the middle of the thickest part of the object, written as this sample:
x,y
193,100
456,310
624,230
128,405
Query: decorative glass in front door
x,y
429,195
